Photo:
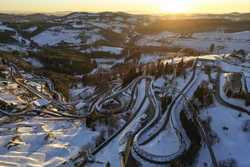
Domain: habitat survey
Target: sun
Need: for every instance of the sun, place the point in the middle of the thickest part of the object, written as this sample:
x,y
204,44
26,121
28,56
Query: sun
x,y
174,6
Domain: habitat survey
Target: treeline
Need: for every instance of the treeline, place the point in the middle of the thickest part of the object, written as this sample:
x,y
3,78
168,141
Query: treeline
x,y
41,26
194,25
64,61
157,69
63,82
6,37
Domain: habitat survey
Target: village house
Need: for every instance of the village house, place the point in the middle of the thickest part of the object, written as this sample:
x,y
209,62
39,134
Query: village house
x,y
8,101
41,103
37,86
233,85
247,87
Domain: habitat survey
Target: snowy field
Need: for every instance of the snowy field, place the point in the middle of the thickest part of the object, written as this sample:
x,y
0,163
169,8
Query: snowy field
x,y
148,58
34,62
109,49
37,142
166,143
5,28
110,153
87,29
224,42
12,47
57,35
31,29
233,142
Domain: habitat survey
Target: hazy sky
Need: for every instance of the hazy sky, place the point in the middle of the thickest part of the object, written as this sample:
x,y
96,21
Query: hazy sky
x,y
135,6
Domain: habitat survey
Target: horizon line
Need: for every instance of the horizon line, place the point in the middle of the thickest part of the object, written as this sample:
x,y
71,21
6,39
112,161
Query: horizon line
x,y
128,12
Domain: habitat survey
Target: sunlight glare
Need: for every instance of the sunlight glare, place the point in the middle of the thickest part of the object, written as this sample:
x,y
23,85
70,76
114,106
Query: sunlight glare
x,y
175,6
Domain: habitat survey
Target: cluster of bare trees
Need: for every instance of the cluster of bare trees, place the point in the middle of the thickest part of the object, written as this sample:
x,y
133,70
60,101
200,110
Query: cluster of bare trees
x,y
157,69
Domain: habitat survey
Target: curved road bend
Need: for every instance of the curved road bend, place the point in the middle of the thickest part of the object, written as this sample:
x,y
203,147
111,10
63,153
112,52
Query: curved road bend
x,y
185,95
221,100
147,156
103,152
175,119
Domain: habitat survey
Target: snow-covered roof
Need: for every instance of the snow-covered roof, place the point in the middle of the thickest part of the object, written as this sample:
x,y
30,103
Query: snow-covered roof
x,y
8,98
31,29
41,102
147,58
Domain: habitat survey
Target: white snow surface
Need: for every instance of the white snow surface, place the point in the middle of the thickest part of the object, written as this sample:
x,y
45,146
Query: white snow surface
x,y
224,42
56,35
110,49
93,37
166,143
107,63
160,82
43,143
31,29
110,153
12,47
35,62
233,143
4,28
84,91
148,58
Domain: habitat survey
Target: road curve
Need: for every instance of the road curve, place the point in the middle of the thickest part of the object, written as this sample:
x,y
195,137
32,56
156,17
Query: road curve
x,y
221,100
135,105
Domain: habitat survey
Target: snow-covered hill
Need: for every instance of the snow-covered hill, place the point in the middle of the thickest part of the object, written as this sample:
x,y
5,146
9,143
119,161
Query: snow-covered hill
x,y
223,42
90,32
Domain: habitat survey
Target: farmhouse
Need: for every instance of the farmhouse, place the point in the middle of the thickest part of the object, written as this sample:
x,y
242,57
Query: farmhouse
x,y
233,86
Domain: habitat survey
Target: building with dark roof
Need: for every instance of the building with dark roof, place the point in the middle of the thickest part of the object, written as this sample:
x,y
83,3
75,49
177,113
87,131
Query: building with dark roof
x,y
233,86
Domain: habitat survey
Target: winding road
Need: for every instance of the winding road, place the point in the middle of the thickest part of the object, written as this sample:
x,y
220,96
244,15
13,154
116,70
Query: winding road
x,y
147,122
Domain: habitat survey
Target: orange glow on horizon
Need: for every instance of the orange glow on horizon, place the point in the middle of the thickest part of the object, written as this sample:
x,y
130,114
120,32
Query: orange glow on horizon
x,y
138,6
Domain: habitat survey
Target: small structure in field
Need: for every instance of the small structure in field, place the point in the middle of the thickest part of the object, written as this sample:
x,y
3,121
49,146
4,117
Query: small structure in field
x,y
233,86
41,103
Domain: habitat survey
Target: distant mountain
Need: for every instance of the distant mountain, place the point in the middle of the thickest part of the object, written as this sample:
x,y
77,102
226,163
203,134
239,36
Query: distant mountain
x,y
25,18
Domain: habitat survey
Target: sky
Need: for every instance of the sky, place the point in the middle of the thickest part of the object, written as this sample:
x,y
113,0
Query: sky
x,y
132,6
